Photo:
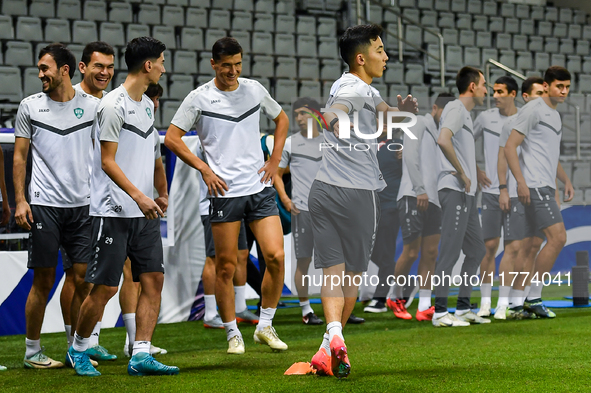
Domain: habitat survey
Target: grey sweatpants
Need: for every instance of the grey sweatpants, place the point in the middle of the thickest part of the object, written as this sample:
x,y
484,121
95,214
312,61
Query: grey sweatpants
x,y
460,231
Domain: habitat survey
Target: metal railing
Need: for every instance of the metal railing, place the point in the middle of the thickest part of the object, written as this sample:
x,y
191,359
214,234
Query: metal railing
x,y
491,62
400,35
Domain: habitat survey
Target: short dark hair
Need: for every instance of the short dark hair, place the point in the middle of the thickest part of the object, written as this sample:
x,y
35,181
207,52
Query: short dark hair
x,y
528,84
306,102
556,73
141,49
357,38
154,91
227,46
466,76
62,56
96,46
443,99
509,82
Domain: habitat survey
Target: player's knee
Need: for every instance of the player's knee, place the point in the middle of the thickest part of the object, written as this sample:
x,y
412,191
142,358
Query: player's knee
x,y
491,246
276,257
558,238
412,254
43,280
225,271
103,293
430,253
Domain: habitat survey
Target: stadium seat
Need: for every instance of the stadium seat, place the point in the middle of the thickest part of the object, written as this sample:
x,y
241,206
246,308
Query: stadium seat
x,y
84,32
263,22
286,67
391,17
14,7
76,49
185,62
375,14
95,10
580,17
557,59
396,90
450,36
489,8
536,44
519,42
420,92
428,19
134,31
464,22
306,46
489,53
567,46
472,57
309,89
327,27
414,74
222,4
112,33
575,31
263,66
211,36
522,11
433,63
483,39
527,27
244,5
524,60
149,14
196,18
503,41
205,63
28,29
407,3
330,69
394,73
18,54
284,44
306,25
158,2
169,109
480,23
120,12
6,30
551,45
413,35
42,8
242,21
508,10
577,99
10,80
179,3
69,9
243,37
587,65
582,47
430,38
512,26
267,6
496,24
545,28
573,64
246,69
507,57
327,47
474,7
447,20
453,58
286,90
425,4
458,6
173,16
412,14
560,30
262,43
581,174
288,7
326,85
551,14
542,61
200,3
308,68
441,5
537,13
166,35
31,82
180,86
285,24
220,19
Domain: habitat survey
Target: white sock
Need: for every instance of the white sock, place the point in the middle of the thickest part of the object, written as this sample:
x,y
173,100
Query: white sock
x,y
424,299
325,343
439,314
129,322
526,291
210,307
141,346
535,291
69,335
94,337
231,329
503,300
486,294
240,298
306,308
335,329
398,291
516,298
461,312
127,340
266,318
33,346
80,343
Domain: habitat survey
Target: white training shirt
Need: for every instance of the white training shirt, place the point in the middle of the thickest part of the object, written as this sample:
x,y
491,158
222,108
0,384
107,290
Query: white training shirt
x,y
420,162
60,135
507,129
303,156
456,117
540,149
227,123
489,125
131,124
353,162
79,88
203,191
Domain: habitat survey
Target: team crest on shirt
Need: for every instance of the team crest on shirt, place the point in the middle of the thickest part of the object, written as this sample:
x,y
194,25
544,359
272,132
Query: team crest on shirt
x,y
149,112
79,112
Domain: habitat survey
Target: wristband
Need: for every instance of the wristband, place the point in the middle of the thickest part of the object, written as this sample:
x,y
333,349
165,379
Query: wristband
x,y
333,122
502,186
